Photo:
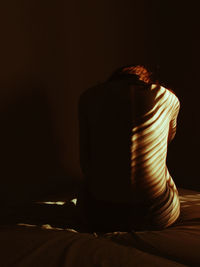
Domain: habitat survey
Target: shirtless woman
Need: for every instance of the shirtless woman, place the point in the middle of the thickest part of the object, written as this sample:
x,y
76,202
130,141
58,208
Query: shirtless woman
x,y
126,125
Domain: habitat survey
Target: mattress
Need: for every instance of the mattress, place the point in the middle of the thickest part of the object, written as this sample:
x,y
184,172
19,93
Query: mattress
x,y
54,243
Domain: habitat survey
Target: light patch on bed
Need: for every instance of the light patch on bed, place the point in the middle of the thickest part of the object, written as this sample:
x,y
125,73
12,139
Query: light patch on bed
x,y
71,230
26,224
74,200
53,202
191,196
44,226
49,227
193,199
60,203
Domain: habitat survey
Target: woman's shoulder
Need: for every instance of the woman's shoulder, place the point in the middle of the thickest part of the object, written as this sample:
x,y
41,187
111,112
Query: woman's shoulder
x,y
173,96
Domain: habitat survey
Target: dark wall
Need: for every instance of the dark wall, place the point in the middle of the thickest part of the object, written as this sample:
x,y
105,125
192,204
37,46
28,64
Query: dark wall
x,y
175,42
50,53
28,140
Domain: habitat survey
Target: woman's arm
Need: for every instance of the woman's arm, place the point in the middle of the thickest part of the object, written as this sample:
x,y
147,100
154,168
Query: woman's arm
x,y
173,122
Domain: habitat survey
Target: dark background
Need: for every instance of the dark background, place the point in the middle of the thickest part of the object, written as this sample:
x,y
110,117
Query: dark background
x,y
53,51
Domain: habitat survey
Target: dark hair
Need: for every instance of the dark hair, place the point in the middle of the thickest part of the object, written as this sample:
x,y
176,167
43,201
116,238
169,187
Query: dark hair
x,y
137,74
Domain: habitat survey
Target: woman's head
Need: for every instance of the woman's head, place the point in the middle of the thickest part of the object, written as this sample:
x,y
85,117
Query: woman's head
x,y
138,74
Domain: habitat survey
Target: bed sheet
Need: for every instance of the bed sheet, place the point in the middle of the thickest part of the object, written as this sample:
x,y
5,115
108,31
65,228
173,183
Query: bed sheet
x,y
180,242
33,245
23,246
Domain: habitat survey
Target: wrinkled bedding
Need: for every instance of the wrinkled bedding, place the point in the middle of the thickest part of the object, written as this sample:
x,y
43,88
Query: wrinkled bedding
x,y
26,244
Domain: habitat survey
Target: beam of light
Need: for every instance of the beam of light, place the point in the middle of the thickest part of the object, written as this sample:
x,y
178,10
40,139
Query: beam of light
x,y
74,200
60,203
26,224
148,157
